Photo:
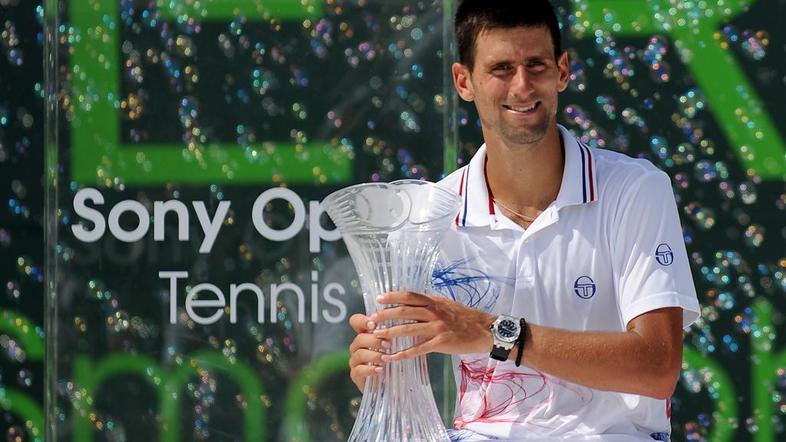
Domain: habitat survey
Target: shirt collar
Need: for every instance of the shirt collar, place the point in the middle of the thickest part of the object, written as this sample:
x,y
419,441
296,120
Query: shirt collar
x,y
579,183
579,177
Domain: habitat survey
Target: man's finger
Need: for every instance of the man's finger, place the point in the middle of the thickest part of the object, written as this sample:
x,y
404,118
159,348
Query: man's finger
x,y
415,329
403,312
363,371
408,298
368,341
365,357
423,348
360,323
360,373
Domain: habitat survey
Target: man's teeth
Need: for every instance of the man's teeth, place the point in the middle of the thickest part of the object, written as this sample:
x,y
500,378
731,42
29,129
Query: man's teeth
x,y
523,109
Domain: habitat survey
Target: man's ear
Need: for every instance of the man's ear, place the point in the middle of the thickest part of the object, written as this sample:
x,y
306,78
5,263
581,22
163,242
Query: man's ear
x,y
563,64
462,81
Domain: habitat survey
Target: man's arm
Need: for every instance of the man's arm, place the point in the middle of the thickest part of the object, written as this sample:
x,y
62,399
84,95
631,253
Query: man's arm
x,y
644,360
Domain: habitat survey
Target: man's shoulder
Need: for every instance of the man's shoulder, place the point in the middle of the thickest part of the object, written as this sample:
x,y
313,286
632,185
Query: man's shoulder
x,y
610,161
618,170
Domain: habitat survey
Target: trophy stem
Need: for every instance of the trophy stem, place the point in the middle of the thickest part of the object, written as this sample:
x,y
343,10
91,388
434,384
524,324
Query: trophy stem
x,y
397,405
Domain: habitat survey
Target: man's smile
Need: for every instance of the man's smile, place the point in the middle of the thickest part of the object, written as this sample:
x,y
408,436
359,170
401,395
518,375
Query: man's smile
x,y
522,109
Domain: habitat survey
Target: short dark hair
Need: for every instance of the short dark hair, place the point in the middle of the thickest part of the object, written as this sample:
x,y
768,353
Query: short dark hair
x,y
476,16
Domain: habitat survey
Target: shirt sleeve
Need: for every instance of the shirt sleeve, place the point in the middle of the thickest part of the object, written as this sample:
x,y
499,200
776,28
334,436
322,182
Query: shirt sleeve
x,y
649,252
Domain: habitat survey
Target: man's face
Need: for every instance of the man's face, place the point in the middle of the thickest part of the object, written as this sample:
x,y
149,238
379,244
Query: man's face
x,y
514,83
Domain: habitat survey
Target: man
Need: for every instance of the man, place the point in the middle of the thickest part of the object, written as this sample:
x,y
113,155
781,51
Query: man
x,y
584,244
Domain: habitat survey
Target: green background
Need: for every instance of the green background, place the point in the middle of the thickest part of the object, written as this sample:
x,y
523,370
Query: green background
x,y
117,380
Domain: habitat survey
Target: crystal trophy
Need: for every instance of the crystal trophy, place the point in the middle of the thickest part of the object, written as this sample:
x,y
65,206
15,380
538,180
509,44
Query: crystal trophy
x,y
392,232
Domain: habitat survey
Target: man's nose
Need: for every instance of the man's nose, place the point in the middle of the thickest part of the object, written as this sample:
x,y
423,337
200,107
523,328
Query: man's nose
x,y
521,84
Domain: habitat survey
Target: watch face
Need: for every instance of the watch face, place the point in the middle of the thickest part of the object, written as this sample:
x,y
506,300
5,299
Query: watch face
x,y
507,330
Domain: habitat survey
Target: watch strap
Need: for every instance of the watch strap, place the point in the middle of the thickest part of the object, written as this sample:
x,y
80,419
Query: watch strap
x,y
500,353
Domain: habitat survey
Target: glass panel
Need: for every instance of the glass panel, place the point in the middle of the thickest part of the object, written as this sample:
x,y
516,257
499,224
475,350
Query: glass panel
x,y
199,291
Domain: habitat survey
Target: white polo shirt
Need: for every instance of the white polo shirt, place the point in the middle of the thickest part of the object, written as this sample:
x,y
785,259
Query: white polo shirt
x,y
608,249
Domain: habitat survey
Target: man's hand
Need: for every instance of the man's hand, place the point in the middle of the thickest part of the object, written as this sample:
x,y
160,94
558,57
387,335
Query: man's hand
x,y
445,326
365,351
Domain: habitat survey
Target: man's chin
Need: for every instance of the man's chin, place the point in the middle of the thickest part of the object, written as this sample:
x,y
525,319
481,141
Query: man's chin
x,y
528,137
529,134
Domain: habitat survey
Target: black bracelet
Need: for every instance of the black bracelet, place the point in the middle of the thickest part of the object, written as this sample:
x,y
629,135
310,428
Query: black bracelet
x,y
520,342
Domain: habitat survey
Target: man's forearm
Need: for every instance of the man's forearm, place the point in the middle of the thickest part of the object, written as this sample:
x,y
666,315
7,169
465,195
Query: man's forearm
x,y
618,361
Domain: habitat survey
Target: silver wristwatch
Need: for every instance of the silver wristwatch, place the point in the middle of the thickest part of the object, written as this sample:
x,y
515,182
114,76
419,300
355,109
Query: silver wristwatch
x,y
505,330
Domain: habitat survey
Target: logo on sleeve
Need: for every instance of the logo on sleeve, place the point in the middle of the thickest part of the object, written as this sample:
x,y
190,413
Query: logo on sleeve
x,y
664,255
584,287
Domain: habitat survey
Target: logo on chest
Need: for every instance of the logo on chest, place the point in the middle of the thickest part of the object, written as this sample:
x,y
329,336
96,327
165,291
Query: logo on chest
x,y
584,287
664,255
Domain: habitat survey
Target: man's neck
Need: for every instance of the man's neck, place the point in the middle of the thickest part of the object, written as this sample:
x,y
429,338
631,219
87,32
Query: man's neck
x,y
526,178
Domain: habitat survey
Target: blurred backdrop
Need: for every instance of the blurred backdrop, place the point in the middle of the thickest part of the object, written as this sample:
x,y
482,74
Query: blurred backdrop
x,y
197,292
